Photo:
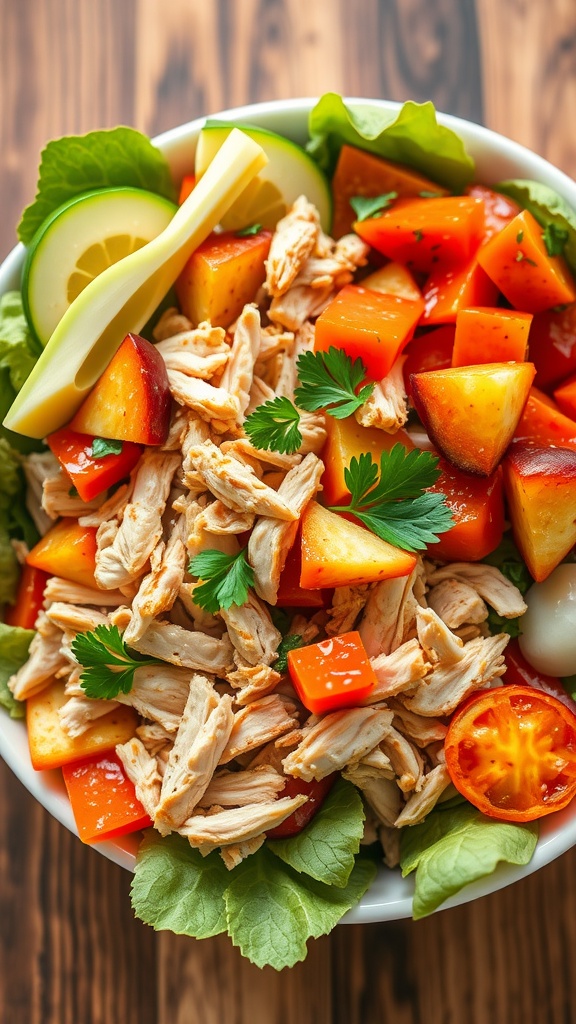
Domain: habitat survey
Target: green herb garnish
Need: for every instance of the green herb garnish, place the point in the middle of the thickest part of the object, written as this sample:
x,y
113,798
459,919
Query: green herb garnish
x,y
291,642
273,426
252,229
226,579
108,665
102,446
330,381
365,207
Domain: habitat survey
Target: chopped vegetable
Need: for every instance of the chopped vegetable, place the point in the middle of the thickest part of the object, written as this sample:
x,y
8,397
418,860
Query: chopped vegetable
x,y
29,597
93,463
103,799
489,335
67,550
332,674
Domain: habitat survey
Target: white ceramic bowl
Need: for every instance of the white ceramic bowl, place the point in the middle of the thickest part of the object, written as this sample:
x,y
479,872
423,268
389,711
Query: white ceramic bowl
x,y
497,158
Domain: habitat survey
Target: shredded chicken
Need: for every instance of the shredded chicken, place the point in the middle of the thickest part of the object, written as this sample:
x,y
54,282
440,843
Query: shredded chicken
x,y
258,723
421,803
293,241
209,831
389,618
488,582
252,631
405,758
457,603
336,740
159,692
347,604
387,406
236,484
159,589
142,770
398,672
252,682
79,713
481,662
236,789
58,589
45,659
185,648
200,352
238,375
60,499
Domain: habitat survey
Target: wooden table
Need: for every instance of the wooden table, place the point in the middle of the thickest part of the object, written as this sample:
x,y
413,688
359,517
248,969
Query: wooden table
x,y
71,951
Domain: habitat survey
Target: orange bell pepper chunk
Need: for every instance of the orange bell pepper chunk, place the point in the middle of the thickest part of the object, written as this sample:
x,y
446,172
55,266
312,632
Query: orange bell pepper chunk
x,y
425,233
91,475
499,209
448,290
477,507
29,597
186,187
565,396
552,345
518,262
103,799
490,335
333,674
431,351
543,423
67,550
367,325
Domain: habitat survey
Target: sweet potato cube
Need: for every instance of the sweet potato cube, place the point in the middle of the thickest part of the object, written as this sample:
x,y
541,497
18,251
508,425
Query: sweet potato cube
x,y
543,423
51,747
477,507
393,279
67,550
345,440
552,345
518,262
449,289
221,276
488,335
339,553
540,485
565,396
367,325
471,412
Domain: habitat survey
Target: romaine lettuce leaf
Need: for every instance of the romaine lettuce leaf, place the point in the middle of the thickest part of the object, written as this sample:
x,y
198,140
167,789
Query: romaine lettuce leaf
x,y
79,163
14,644
14,519
18,353
456,846
547,207
412,136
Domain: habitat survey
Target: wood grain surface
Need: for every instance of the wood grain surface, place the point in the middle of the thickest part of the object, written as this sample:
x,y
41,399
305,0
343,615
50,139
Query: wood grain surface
x,y
71,953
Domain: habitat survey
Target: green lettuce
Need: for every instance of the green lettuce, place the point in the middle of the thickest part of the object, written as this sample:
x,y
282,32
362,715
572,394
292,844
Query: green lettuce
x,y
458,845
14,644
80,163
549,209
14,519
18,353
412,136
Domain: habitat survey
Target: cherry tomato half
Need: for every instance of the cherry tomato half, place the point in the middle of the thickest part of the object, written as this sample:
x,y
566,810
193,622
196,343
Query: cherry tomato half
x,y
511,752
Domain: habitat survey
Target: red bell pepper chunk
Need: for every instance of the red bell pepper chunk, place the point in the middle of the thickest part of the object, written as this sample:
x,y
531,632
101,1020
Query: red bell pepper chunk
x,y
333,674
91,475
103,799
29,596
317,790
431,351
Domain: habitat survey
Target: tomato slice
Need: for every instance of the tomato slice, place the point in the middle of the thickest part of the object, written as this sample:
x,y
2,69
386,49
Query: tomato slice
x,y
511,752
317,790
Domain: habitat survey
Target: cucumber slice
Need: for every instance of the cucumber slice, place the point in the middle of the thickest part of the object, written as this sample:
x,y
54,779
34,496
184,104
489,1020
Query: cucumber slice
x,y
82,238
289,173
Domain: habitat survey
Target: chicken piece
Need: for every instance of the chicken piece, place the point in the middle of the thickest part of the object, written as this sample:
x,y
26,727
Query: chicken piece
x,y
347,604
259,723
390,843
159,589
488,582
200,352
389,618
272,539
45,659
224,828
337,739
301,303
482,661
199,619
387,406
420,804
337,267
58,501
59,589
260,392
38,467
234,854
121,558
252,682
170,323
202,736
252,631
185,648
383,797
242,447
377,763
439,642
274,342
406,760
113,508
421,731
457,603
398,672
219,519
236,485
142,770
159,692
293,241
313,429
80,712
236,789
239,373
212,404
288,376
73,618
154,737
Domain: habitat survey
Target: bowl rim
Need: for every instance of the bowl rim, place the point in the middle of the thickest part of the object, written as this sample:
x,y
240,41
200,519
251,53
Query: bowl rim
x,y
390,896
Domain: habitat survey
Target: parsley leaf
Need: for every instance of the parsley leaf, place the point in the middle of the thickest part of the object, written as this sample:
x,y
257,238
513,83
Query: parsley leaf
x,y
274,426
329,380
522,258
365,207
226,579
108,666
252,229
290,642
394,503
102,446
555,239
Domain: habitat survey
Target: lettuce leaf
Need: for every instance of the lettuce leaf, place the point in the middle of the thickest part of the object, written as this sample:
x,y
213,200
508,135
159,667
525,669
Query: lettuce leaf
x,y
18,353
456,846
326,848
412,136
14,644
14,519
547,207
79,163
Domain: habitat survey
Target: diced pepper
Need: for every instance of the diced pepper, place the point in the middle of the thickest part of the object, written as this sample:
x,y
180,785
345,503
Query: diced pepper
x,y
221,276
552,345
499,210
449,289
477,506
29,596
91,475
393,279
316,790
425,233
51,747
188,184
542,423
347,439
103,799
489,335
67,550
430,351
565,396
367,325
359,173
290,593
518,262
335,673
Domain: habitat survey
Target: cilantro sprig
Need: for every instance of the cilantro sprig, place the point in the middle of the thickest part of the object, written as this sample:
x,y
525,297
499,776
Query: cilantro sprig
x,y
365,207
108,666
102,446
393,501
226,579
274,425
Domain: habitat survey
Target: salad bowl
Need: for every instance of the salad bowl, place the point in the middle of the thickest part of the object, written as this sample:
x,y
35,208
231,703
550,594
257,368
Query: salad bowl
x,y
496,158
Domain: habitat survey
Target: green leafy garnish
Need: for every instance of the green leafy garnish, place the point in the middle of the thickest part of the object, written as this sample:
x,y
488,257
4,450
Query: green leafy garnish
x,y
569,684
102,446
522,258
548,208
80,163
14,644
226,579
555,239
520,237
426,194
15,521
394,503
274,426
456,846
108,667
330,381
252,229
18,354
291,642
365,207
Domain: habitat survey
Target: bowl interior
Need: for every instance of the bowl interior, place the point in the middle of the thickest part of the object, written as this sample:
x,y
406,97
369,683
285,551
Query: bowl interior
x,y
497,158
